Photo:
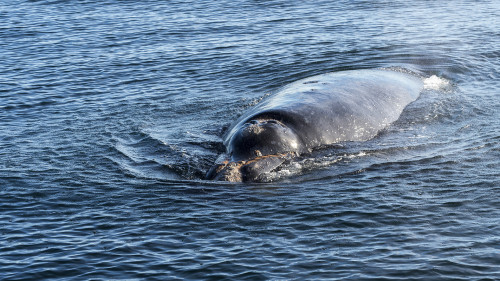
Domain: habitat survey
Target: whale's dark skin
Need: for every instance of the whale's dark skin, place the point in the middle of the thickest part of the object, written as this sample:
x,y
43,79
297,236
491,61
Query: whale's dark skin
x,y
313,112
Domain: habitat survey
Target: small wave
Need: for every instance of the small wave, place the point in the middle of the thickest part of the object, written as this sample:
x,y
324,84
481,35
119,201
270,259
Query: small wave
x,y
317,161
154,155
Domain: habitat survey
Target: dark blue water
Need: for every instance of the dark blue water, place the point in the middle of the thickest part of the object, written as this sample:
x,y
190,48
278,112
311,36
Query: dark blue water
x,y
112,111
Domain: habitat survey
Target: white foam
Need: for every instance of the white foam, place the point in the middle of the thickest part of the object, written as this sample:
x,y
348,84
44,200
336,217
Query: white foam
x,y
436,83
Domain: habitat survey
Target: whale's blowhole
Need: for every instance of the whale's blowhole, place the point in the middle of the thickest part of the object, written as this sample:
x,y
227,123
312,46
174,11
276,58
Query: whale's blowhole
x,y
265,136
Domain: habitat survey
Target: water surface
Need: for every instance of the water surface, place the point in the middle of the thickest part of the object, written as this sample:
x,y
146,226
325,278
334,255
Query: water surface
x,y
112,111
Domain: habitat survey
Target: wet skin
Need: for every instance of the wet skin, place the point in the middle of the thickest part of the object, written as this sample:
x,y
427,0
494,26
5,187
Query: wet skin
x,y
313,112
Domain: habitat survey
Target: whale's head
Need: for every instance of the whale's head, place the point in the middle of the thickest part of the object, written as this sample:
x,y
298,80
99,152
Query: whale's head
x,y
257,147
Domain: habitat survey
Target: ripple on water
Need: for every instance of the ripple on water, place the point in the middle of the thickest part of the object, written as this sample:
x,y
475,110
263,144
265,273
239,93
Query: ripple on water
x,y
111,112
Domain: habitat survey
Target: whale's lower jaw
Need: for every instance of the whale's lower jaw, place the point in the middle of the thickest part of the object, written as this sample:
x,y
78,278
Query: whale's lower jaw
x,y
247,171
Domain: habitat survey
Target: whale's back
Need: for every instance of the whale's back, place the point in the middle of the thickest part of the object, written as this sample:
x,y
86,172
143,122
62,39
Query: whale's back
x,y
336,107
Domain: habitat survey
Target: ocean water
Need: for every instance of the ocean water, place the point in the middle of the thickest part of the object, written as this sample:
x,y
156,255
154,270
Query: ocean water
x,y
112,111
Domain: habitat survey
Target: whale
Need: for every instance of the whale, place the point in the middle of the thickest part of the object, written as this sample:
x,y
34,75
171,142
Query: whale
x,y
311,113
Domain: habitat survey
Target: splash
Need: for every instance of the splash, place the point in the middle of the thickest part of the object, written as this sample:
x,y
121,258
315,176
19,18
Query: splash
x,y
436,83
